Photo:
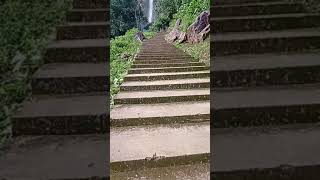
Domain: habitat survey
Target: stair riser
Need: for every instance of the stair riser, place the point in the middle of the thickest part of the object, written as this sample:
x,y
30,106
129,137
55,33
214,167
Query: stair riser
x,y
90,4
224,11
163,58
165,53
236,2
278,173
242,25
86,54
83,32
70,85
159,120
156,62
245,117
165,65
136,165
270,45
179,69
60,125
253,78
89,16
165,87
167,77
162,99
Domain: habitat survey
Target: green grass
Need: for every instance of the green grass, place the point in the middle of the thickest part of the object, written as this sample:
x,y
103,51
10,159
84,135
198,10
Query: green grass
x,y
25,27
199,51
119,66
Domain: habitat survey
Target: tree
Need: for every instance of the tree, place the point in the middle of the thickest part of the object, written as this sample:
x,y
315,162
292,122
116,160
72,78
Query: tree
x,y
125,15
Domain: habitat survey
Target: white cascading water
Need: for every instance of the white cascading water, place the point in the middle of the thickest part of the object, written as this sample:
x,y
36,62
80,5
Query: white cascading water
x,y
150,11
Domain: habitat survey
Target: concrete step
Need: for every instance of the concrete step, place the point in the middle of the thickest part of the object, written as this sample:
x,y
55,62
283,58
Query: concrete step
x,y
166,96
266,69
173,145
238,2
66,78
167,76
179,172
164,55
163,58
90,4
88,15
83,30
265,22
165,84
86,50
135,65
277,153
55,157
78,114
266,106
265,41
144,114
161,61
167,69
260,8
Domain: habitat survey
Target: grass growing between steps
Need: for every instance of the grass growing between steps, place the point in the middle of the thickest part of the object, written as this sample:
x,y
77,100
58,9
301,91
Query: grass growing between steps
x,y
199,51
123,50
25,27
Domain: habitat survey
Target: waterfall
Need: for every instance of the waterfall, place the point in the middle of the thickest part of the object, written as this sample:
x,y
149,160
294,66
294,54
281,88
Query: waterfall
x,y
150,11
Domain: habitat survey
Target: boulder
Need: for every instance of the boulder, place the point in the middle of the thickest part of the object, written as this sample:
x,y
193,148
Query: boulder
x,y
139,36
199,29
175,33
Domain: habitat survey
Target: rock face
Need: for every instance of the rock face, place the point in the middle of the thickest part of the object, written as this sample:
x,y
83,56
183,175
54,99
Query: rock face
x,y
197,31
200,29
175,33
139,36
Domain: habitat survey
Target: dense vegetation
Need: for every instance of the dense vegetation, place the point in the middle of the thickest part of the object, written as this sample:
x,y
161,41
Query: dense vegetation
x,y
168,11
25,27
125,15
122,50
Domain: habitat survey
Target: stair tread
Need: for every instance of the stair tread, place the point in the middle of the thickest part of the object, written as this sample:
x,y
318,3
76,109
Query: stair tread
x,y
255,4
88,10
160,110
61,70
164,140
269,16
265,61
98,23
265,147
83,43
276,96
161,93
54,106
166,82
164,68
55,157
166,73
291,33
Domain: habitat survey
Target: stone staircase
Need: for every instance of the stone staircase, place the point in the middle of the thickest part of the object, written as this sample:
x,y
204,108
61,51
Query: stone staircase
x,y
61,132
160,120
265,90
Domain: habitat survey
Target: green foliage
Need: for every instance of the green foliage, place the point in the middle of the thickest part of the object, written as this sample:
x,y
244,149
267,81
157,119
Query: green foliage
x,y
126,14
189,12
24,30
164,11
123,45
